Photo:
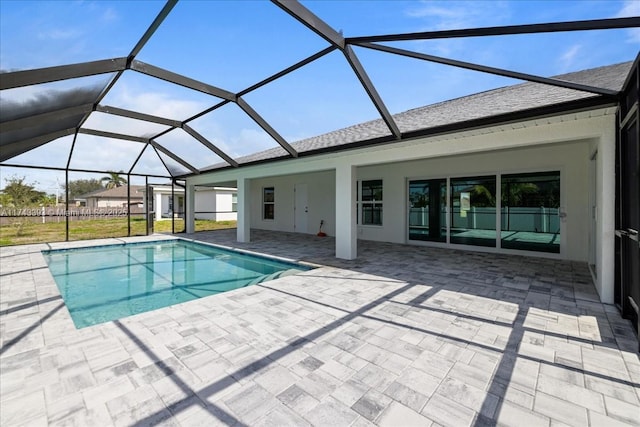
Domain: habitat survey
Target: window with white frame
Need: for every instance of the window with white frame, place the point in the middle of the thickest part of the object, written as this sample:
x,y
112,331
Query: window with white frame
x,y
370,202
268,203
234,202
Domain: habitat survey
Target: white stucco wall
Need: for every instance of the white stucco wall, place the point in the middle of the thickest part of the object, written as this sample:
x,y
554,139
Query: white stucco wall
x,y
564,143
214,205
321,201
225,206
571,159
205,204
604,193
160,205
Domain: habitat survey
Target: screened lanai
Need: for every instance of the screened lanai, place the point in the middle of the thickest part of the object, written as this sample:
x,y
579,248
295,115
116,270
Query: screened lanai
x,y
384,119
153,110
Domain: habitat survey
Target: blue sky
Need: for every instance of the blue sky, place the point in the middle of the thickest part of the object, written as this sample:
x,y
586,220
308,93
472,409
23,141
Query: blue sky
x,y
234,44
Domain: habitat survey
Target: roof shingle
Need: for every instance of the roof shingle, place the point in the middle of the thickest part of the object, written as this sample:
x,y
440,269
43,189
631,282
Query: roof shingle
x,y
496,102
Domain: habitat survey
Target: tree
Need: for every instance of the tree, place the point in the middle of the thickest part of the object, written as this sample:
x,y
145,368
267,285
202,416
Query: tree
x,y
48,200
19,194
514,194
78,187
482,196
114,180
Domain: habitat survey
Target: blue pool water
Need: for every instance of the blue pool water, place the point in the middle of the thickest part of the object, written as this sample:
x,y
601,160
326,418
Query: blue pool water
x,y
104,283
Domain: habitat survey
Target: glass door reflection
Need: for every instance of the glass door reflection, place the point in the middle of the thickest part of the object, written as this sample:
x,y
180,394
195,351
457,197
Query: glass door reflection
x,y
473,211
427,210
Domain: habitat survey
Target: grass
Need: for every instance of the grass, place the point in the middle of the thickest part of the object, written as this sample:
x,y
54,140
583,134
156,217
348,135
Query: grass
x,y
35,232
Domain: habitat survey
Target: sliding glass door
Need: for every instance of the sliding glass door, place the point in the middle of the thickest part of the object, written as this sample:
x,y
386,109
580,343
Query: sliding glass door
x,y
427,210
529,208
530,217
473,211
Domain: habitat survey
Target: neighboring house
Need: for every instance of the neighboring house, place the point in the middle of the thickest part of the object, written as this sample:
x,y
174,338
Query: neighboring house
x,y
526,169
214,203
114,197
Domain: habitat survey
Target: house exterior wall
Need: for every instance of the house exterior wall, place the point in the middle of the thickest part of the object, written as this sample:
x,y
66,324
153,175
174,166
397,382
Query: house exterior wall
x,y
160,204
572,160
563,142
216,205
321,202
94,202
224,201
205,205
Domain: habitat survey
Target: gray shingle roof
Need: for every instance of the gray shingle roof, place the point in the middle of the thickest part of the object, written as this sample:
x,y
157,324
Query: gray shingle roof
x,y
496,102
115,193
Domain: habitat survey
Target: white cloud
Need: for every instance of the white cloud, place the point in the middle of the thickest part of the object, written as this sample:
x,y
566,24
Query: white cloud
x,y
156,103
59,34
630,8
442,18
110,154
237,142
254,139
92,152
225,132
451,15
568,58
110,15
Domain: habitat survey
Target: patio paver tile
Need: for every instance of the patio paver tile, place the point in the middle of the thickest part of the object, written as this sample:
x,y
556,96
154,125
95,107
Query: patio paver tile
x,y
387,338
515,415
571,393
448,412
298,399
371,404
330,412
250,402
598,419
397,414
560,409
623,411
407,396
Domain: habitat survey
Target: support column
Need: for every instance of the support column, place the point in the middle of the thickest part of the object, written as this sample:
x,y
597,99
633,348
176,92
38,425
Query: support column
x,y
244,210
606,200
190,208
346,229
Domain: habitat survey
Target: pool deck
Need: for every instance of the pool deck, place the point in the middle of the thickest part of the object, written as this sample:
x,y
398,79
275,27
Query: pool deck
x,y
402,336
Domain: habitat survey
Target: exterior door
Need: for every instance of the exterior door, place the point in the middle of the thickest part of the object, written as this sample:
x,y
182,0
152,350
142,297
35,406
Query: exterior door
x,y
628,200
301,208
427,210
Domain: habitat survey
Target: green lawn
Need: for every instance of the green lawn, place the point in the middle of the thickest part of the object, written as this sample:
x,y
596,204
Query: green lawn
x,y
53,231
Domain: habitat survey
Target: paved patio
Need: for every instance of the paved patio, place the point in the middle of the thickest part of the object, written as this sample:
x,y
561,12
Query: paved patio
x,y
402,336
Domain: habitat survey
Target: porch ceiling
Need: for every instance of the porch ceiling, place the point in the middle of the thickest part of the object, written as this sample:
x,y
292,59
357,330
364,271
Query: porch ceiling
x,y
28,126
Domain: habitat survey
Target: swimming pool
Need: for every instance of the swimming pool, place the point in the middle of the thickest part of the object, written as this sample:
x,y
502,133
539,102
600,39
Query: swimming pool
x,y
104,283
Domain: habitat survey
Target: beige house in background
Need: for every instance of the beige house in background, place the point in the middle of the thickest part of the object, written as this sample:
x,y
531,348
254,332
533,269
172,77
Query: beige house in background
x,y
114,197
